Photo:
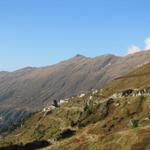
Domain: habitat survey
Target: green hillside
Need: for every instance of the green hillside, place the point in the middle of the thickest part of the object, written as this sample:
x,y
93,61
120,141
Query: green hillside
x,y
96,121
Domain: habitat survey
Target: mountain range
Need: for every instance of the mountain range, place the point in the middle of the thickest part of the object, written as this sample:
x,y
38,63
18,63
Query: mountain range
x,y
115,117
30,89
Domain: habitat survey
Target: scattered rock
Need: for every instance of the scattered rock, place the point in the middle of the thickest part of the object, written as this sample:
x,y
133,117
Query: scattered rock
x,y
95,92
81,95
90,97
146,119
117,104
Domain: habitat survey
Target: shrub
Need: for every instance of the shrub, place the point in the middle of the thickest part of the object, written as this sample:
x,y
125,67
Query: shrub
x,y
134,123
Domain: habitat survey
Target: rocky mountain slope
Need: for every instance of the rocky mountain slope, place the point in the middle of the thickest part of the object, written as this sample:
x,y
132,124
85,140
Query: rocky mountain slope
x,y
28,89
116,117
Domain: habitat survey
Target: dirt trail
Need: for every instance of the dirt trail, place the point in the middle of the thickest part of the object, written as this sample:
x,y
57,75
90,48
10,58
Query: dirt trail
x,y
133,76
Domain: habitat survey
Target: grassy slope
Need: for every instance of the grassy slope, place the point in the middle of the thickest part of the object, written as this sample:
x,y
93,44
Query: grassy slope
x,y
139,78
108,127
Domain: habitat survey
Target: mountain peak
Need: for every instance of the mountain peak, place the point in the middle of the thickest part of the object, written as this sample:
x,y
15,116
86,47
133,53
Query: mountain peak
x,y
80,56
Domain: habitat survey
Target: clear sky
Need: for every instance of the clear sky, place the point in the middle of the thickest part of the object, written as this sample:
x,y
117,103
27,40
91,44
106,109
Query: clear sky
x,y
44,32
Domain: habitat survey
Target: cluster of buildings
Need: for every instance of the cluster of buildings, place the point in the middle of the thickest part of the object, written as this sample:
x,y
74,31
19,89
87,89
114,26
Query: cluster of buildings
x,y
52,105
132,93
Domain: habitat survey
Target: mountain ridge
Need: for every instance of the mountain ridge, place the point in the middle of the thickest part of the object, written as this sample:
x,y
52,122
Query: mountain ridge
x,y
32,88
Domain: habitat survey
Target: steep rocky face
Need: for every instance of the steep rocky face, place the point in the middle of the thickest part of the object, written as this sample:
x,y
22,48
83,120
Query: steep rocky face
x,y
31,88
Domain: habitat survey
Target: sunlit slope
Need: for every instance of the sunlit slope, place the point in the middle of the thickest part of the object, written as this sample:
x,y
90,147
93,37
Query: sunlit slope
x,y
27,90
138,78
96,121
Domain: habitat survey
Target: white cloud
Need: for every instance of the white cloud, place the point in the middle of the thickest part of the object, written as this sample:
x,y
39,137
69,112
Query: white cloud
x,y
147,42
133,49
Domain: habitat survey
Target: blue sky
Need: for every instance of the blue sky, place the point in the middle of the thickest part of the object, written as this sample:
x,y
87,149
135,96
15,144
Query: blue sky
x,y
44,32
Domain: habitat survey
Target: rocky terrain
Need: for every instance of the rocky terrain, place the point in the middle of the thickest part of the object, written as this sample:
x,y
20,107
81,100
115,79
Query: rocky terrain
x,y
29,89
116,117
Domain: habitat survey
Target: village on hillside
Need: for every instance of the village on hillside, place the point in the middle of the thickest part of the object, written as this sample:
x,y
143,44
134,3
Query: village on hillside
x,y
125,93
